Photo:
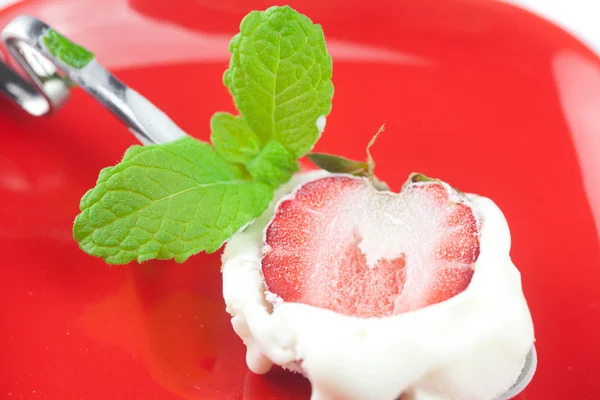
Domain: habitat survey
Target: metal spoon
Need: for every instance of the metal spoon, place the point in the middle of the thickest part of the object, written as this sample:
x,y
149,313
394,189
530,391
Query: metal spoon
x,y
48,90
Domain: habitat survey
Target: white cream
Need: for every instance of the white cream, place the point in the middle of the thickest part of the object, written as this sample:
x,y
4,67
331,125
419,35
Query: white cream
x,y
321,122
470,347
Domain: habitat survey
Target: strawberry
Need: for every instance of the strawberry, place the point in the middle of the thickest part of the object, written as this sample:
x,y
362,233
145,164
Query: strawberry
x,y
338,243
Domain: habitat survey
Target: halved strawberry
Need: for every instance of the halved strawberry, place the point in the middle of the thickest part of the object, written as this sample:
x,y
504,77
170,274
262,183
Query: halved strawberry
x,y
338,243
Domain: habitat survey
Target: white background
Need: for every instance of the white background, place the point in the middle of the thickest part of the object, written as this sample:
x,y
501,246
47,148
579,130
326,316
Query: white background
x,y
580,17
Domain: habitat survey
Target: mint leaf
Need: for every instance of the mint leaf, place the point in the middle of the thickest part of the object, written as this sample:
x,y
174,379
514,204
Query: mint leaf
x,y
280,77
65,50
167,201
274,165
338,164
233,139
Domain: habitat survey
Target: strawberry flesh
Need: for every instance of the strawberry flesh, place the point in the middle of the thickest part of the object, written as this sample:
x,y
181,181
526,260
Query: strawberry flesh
x,y
337,243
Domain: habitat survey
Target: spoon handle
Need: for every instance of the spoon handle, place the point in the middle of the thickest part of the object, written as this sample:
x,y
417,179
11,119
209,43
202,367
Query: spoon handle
x,y
50,79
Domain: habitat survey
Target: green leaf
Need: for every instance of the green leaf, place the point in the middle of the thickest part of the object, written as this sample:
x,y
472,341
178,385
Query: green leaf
x,y
280,77
233,139
65,50
274,165
338,164
167,201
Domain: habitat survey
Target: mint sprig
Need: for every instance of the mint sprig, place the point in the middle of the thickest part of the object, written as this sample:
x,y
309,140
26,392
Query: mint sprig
x,y
178,199
167,201
233,139
280,77
274,165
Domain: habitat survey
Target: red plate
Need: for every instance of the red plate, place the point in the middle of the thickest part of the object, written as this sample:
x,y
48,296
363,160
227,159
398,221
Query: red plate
x,y
487,97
